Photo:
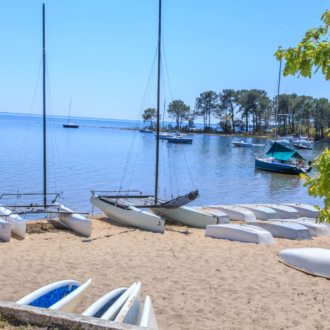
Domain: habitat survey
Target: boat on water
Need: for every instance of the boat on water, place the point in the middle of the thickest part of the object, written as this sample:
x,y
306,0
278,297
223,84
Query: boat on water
x,y
62,296
242,144
283,142
146,130
11,213
282,159
68,124
128,206
313,261
240,233
302,146
179,138
164,135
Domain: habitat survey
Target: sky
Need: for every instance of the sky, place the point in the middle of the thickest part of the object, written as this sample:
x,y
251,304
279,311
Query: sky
x,y
100,53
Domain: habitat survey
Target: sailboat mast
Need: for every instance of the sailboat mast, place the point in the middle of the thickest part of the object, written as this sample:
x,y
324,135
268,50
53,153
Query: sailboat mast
x,y
158,99
69,111
302,113
44,105
278,94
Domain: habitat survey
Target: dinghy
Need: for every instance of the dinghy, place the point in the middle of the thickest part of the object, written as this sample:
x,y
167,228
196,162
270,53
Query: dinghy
x,y
113,311
284,211
148,318
242,144
62,296
316,229
5,230
235,212
305,210
260,212
222,217
285,230
312,261
18,225
130,312
240,233
104,303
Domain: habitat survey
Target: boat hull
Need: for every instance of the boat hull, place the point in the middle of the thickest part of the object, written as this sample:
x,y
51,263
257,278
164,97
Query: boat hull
x,y
236,213
260,212
284,211
70,126
76,222
271,167
148,318
132,216
304,210
18,225
5,230
179,140
187,216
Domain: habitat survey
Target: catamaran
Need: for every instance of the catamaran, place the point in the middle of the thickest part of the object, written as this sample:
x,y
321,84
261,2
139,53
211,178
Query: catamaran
x,y
129,207
73,220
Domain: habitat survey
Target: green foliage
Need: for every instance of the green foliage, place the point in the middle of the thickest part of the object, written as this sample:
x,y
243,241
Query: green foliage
x,y
149,114
318,184
205,105
312,51
228,102
179,111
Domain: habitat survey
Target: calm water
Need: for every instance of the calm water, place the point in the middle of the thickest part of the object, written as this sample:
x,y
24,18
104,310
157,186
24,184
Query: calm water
x,y
91,157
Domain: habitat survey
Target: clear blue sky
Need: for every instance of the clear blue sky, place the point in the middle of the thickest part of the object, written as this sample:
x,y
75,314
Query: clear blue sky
x,y
99,53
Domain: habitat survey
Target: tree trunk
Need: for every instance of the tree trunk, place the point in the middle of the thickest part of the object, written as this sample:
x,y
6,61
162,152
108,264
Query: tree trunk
x,y
247,123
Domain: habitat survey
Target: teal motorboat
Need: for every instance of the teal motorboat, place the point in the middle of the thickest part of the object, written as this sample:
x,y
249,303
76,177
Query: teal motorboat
x,y
282,159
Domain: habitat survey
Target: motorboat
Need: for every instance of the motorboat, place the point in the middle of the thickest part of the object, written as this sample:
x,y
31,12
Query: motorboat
x,y
283,142
283,160
147,130
179,138
242,144
302,146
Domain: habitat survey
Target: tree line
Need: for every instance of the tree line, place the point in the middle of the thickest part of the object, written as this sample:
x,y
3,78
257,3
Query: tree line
x,y
237,110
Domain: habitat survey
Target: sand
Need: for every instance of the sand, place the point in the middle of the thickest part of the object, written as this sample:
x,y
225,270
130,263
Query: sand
x,y
194,282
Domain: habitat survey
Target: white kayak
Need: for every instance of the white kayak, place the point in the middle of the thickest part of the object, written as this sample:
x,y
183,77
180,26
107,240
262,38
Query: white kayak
x,y
148,318
236,213
222,217
5,230
285,230
261,212
104,303
63,295
240,233
113,311
18,225
284,211
305,210
76,222
309,260
130,312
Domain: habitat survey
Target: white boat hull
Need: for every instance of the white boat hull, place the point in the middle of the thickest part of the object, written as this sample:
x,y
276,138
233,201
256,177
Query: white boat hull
x,y
260,212
76,222
187,216
104,303
222,217
236,213
18,225
132,216
285,230
131,311
305,210
240,233
5,230
283,211
148,318
309,260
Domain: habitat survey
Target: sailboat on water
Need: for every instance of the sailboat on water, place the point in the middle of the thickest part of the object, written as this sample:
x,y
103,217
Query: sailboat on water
x,y
127,206
70,125
11,213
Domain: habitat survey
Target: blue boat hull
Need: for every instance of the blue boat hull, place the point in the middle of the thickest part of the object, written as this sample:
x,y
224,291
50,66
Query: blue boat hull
x,y
260,165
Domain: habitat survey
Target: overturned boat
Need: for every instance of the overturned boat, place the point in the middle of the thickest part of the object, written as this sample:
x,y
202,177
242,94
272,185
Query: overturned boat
x,y
261,212
304,210
235,212
284,211
222,217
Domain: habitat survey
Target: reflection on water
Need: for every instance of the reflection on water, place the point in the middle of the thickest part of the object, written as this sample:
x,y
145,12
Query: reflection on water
x,y
94,158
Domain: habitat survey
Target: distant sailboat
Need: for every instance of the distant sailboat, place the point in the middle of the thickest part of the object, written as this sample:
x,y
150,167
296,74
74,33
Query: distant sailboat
x,y
70,125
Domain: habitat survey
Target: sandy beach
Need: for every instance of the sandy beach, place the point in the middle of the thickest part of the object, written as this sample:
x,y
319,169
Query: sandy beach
x,y
194,282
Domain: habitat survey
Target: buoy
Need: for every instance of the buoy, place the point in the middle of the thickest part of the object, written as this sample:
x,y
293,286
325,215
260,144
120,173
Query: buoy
x,y
228,145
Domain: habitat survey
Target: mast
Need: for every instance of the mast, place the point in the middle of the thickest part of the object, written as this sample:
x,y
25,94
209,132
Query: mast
x,y
69,111
302,112
158,99
44,104
278,94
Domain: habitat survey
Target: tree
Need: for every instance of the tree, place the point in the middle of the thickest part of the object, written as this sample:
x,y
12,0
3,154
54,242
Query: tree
x,y
243,106
205,105
322,111
227,105
149,114
179,111
312,51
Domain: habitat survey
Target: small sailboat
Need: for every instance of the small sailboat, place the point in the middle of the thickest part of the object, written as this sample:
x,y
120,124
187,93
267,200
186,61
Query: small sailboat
x,y
302,146
68,124
179,138
242,144
146,130
126,206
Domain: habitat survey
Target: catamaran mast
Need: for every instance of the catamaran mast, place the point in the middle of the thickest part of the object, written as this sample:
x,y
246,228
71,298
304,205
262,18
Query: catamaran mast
x,y
158,99
278,94
44,105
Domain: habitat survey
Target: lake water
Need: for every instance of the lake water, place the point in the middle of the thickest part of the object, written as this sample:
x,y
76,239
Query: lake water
x,y
95,158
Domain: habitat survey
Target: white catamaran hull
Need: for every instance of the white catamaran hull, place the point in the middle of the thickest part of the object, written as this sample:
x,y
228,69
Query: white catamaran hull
x,y
5,230
187,216
131,216
18,225
76,222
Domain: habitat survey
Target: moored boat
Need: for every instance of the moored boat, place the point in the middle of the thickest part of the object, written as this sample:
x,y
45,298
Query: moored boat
x,y
313,261
242,144
146,130
240,233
